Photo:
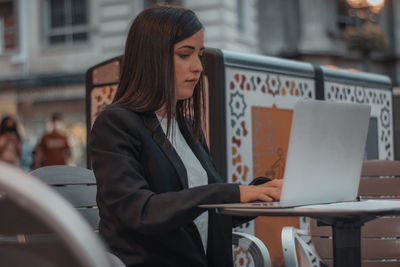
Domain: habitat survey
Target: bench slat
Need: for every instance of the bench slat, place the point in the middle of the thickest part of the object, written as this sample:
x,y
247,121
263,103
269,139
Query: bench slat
x,y
381,168
370,248
64,175
379,187
380,227
91,215
79,195
372,263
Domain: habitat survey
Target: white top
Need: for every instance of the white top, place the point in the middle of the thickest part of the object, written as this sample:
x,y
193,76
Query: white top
x,y
196,174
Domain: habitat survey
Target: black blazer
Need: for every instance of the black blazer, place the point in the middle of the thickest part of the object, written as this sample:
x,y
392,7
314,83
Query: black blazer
x,y
146,208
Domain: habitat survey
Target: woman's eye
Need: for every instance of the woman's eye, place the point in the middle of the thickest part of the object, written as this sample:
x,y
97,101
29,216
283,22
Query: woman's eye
x,y
184,56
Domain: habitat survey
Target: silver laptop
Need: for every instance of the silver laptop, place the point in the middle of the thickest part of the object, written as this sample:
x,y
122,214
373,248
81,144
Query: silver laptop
x,y
325,155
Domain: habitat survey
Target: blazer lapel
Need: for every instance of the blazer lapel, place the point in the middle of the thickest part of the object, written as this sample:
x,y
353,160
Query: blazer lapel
x,y
153,124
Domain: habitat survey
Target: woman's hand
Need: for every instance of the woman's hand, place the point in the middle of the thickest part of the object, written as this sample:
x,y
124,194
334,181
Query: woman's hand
x,y
265,192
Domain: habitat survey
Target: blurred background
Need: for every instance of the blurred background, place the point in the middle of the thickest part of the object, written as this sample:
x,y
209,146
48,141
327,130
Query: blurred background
x,y
46,46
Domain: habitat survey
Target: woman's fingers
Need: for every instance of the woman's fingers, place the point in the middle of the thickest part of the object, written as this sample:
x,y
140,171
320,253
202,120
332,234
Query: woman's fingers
x,y
265,198
266,192
273,183
273,192
272,189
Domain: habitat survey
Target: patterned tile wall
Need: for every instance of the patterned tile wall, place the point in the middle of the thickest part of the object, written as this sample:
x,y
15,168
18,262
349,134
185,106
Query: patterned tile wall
x,y
381,109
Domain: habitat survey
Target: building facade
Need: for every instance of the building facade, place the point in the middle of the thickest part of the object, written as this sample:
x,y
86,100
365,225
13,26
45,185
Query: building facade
x,y
47,46
336,33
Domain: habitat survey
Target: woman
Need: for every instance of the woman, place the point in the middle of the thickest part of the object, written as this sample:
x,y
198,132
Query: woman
x,y
10,141
149,156
53,147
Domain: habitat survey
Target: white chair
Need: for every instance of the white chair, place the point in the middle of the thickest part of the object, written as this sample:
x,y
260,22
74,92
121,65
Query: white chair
x,y
297,239
40,228
248,249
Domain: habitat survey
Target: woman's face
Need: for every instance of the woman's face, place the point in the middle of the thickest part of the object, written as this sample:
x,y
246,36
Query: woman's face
x,y
187,64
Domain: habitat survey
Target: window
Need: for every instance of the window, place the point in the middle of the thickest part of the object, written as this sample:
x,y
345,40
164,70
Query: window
x,y
8,36
244,20
345,16
67,22
148,3
356,12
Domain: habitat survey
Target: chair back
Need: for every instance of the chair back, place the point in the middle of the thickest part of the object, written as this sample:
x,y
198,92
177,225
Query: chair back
x,y
380,238
40,228
75,184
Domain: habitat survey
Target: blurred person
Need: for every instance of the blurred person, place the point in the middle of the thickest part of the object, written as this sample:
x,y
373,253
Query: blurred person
x,y
10,141
149,154
53,148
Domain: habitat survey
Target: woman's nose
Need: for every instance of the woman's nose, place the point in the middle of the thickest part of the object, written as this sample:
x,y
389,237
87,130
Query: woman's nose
x,y
197,65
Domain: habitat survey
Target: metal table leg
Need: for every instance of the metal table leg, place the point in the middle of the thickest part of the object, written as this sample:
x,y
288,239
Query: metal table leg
x,y
347,243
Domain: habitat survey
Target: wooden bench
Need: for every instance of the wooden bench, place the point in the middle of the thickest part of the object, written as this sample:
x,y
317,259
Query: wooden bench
x,y
380,238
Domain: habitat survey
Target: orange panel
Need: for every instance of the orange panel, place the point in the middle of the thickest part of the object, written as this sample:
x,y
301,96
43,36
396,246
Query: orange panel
x,y
271,130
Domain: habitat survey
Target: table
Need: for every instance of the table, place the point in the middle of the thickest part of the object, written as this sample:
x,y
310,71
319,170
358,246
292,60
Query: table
x,y
345,218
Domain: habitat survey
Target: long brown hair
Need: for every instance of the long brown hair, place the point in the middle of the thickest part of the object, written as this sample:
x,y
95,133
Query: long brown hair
x,y
147,74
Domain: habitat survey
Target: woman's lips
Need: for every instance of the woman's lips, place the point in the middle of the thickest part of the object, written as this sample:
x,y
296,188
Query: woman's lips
x,y
191,81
